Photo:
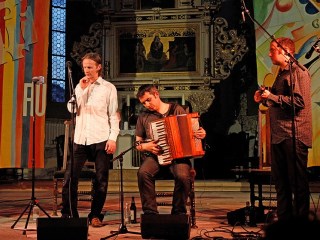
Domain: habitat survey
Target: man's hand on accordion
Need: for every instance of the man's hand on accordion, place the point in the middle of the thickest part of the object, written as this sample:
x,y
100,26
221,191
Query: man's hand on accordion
x,y
200,133
151,146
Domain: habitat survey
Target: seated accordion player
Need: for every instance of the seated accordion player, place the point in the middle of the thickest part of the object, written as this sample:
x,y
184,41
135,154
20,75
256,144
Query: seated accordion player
x,y
176,137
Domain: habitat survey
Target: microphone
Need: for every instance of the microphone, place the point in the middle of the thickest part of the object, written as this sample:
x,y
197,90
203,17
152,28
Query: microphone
x,y
69,64
243,16
314,46
244,10
38,79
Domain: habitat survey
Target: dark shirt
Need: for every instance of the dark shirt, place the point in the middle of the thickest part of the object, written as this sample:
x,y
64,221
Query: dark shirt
x,y
280,106
146,117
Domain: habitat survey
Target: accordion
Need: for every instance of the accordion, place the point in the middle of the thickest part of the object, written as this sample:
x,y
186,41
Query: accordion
x,y
176,137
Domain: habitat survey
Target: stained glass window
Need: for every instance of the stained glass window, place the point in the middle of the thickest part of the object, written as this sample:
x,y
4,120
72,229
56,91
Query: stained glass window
x,y
58,54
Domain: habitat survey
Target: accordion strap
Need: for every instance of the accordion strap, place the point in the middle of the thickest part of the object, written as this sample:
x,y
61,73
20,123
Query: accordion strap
x,y
172,109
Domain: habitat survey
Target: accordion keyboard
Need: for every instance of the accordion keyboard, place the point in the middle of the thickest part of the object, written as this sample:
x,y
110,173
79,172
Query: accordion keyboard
x,y
160,134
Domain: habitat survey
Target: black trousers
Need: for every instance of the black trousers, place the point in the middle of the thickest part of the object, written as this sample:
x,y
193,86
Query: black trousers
x,y
147,174
96,153
289,172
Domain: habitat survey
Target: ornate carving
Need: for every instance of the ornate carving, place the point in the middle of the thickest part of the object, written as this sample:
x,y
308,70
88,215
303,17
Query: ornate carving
x,y
181,87
201,101
88,43
207,4
229,48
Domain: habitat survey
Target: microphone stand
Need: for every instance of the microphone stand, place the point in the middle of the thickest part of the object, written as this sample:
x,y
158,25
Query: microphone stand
x,y
122,228
74,106
72,94
33,201
291,60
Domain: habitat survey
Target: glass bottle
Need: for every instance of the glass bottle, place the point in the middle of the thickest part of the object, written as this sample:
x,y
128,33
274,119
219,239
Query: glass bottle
x,y
133,211
127,214
247,214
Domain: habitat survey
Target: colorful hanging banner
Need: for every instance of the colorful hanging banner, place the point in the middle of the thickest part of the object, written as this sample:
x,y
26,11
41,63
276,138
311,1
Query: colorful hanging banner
x,y
24,41
298,20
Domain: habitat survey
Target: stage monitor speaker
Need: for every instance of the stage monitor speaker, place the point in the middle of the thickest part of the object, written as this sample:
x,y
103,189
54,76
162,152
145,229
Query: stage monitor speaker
x,y
237,217
165,226
62,228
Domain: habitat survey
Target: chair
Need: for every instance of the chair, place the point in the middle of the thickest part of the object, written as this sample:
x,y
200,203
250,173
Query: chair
x,y
87,173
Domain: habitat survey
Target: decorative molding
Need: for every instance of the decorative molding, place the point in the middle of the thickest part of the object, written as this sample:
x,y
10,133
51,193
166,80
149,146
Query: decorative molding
x,y
181,87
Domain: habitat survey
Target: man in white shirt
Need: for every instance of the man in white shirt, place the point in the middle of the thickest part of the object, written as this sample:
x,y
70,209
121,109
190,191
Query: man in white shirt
x,y
96,132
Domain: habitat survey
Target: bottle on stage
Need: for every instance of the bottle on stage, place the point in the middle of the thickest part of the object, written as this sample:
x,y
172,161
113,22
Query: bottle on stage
x,y
127,215
133,211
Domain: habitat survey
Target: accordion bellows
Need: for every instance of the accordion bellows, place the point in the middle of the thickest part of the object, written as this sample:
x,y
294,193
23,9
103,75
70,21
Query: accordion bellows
x,y
176,137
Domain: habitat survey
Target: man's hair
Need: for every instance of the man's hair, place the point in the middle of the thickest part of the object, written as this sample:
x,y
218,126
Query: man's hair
x,y
146,88
287,44
94,57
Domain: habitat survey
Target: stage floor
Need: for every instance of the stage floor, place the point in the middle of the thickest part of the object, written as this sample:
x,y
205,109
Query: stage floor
x,y
211,212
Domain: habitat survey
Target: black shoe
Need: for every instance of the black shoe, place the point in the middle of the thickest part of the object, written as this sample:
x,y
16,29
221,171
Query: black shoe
x,y
178,213
149,212
65,215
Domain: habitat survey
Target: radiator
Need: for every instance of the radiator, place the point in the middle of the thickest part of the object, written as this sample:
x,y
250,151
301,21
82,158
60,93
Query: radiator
x,y
54,128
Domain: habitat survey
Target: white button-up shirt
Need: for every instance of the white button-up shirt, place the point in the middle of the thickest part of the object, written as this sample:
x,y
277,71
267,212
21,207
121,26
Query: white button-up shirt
x,y
97,120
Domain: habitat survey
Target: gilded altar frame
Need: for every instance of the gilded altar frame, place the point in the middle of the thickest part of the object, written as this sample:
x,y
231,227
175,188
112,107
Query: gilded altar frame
x,y
159,49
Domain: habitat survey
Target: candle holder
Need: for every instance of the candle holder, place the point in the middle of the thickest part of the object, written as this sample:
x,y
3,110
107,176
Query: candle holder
x,y
128,113
125,116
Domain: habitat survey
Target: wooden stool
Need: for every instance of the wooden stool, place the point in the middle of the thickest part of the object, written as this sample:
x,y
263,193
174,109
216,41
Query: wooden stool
x,y
191,202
